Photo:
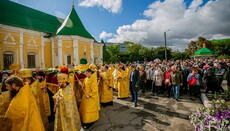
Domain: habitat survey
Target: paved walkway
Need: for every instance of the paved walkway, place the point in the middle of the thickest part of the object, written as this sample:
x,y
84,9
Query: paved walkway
x,y
155,113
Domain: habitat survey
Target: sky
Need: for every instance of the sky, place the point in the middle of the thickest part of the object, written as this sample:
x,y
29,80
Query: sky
x,y
145,21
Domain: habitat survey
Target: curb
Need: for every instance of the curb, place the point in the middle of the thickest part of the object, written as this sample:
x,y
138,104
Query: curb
x,y
205,100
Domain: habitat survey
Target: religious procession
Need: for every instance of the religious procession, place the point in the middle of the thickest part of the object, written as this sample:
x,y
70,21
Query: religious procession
x,y
72,98
114,65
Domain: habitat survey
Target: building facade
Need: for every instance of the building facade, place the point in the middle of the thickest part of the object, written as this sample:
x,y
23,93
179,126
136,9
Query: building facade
x,y
35,39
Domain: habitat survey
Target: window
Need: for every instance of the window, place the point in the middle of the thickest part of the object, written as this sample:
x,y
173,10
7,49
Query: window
x,y
8,59
31,60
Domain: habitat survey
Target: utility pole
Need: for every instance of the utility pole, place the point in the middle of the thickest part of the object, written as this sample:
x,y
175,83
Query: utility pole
x,y
166,58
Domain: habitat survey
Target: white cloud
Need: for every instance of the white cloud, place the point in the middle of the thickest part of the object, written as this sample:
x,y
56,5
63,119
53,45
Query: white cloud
x,y
113,6
185,23
104,35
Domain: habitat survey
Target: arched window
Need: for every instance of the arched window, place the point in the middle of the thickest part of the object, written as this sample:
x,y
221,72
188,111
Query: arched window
x,y
8,59
31,58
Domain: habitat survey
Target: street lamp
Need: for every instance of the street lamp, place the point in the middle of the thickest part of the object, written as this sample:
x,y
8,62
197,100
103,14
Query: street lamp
x,y
165,45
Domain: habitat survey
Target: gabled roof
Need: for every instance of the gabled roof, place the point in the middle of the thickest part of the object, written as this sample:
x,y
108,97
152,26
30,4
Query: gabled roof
x,y
204,51
17,15
73,26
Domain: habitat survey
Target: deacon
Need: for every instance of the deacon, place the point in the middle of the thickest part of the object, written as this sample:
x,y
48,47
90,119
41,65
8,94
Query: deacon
x,y
121,82
35,86
107,88
90,106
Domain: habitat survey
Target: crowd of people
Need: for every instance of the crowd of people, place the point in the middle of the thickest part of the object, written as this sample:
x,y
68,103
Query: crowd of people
x,y
29,102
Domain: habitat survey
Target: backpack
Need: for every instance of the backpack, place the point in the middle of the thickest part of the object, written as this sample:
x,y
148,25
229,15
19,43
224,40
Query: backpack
x,y
192,81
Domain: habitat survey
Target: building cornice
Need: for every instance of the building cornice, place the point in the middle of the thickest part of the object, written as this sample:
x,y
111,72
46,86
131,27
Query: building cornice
x,y
18,29
72,37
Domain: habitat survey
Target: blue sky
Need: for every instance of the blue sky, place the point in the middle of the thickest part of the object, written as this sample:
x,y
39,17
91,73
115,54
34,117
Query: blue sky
x,y
143,21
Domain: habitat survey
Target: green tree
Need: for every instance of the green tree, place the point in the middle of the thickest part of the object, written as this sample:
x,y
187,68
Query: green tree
x,y
160,53
133,51
221,47
106,54
179,55
114,53
193,46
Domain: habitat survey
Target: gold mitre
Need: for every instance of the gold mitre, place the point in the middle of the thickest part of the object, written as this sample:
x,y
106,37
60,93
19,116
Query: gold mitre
x,y
25,73
92,67
61,66
62,77
15,67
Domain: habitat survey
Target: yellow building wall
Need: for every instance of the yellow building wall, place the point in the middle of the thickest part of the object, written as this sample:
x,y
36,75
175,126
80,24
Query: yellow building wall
x,y
84,50
97,53
67,49
48,54
32,45
9,47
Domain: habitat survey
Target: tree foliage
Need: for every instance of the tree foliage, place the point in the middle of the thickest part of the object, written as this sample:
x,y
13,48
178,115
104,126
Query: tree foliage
x,y
220,47
114,53
106,55
138,52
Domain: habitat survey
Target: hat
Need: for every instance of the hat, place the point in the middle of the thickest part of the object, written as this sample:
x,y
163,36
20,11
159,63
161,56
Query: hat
x,y
25,73
65,70
15,67
62,77
92,67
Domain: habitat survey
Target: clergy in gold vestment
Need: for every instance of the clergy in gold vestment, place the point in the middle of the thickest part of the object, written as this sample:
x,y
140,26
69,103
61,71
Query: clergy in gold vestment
x,y
127,70
121,83
67,117
36,89
46,98
5,123
115,80
106,89
23,110
89,107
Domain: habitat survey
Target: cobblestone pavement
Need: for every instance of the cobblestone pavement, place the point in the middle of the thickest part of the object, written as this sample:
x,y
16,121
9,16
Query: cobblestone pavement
x,y
155,113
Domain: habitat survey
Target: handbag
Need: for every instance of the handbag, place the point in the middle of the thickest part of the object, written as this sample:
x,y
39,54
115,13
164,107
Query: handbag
x,y
192,81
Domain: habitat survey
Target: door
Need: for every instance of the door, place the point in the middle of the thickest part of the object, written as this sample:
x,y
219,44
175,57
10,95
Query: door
x,y
69,60
8,60
31,61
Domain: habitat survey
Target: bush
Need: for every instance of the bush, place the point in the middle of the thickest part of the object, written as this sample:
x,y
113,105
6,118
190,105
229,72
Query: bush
x,y
223,57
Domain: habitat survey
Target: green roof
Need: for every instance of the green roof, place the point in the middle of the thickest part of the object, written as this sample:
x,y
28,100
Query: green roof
x,y
204,51
73,26
221,40
17,15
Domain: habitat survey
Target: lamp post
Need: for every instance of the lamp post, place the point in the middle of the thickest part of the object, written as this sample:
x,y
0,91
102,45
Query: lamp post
x,y
165,45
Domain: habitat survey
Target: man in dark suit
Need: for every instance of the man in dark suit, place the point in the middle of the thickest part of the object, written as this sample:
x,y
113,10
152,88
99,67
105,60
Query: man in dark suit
x,y
134,83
